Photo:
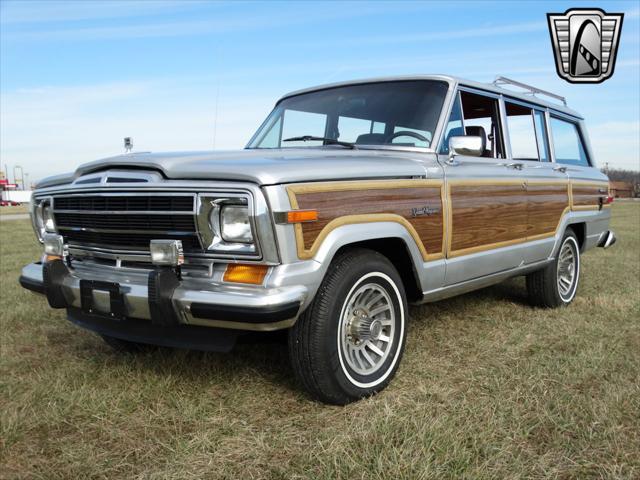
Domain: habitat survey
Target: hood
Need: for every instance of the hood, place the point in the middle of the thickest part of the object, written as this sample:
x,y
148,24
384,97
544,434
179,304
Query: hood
x,y
265,167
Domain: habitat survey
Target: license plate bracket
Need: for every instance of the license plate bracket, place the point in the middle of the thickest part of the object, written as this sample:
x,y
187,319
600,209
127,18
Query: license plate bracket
x,y
116,298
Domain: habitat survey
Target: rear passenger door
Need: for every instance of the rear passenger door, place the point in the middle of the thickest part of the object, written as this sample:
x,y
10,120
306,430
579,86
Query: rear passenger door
x,y
486,196
547,185
589,186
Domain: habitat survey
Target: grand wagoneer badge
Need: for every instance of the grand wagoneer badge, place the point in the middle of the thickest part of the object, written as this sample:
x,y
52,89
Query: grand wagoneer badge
x,y
585,43
426,210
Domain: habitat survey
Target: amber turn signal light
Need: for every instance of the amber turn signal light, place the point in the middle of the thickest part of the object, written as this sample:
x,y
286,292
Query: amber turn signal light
x,y
240,273
298,216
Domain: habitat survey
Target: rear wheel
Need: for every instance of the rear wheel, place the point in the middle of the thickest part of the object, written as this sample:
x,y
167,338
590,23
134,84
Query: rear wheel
x,y
349,342
556,284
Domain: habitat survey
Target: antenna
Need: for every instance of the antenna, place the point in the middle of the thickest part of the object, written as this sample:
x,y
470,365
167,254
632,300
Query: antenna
x,y
531,90
128,144
215,117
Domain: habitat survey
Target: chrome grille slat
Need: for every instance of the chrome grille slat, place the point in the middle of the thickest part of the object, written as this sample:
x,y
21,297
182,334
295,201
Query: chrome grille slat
x,y
127,220
140,203
123,212
178,223
125,231
128,241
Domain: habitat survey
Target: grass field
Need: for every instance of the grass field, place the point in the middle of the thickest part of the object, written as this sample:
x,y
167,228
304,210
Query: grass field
x,y
24,208
489,388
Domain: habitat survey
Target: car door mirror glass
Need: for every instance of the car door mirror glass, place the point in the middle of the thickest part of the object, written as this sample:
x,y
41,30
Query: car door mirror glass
x,y
469,145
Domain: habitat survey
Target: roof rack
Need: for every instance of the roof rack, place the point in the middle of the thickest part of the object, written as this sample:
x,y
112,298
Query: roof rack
x,y
531,90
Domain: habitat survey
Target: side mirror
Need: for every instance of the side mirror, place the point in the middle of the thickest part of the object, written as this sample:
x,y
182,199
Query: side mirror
x,y
466,145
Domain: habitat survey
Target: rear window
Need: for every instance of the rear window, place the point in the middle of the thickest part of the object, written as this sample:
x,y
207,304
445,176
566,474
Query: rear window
x,y
567,143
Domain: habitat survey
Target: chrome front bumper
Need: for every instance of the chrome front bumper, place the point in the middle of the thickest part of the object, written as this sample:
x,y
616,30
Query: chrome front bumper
x,y
194,301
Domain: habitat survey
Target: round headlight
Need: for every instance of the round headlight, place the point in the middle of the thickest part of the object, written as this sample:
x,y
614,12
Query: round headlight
x,y
235,225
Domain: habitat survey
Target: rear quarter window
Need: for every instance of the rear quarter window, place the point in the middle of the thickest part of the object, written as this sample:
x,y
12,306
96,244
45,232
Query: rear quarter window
x,y
567,143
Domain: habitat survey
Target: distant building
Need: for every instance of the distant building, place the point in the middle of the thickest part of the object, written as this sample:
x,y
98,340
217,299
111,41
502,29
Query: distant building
x,y
622,189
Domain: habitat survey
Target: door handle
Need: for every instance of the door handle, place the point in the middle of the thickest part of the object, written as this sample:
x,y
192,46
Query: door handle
x,y
560,169
515,165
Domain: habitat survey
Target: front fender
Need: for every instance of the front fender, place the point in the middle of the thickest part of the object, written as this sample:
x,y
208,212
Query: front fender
x,y
349,234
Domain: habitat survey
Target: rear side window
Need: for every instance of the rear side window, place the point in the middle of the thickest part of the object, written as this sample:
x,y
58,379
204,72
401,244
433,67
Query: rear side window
x,y
567,143
522,132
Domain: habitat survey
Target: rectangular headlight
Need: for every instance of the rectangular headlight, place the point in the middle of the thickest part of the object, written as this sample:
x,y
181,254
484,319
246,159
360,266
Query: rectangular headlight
x,y
42,218
235,224
53,245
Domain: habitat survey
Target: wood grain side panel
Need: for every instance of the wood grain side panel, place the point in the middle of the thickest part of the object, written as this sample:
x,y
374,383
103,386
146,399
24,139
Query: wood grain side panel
x,y
588,195
340,203
547,204
484,215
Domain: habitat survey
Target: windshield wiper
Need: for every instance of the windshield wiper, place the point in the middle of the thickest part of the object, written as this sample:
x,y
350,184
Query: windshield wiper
x,y
329,141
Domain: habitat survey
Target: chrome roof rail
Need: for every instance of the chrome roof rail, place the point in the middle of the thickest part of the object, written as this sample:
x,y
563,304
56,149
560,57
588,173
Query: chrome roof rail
x,y
499,81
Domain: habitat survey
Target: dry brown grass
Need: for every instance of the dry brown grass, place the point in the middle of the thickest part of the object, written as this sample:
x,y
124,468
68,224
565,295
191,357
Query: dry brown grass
x,y
489,388
12,210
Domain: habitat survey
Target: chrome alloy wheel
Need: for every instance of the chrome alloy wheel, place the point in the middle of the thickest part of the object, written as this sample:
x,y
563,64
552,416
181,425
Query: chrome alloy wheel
x,y
367,328
567,269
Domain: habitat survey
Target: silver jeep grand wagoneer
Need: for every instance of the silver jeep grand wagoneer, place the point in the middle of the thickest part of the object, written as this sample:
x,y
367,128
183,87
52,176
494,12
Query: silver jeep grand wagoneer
x,y
349,202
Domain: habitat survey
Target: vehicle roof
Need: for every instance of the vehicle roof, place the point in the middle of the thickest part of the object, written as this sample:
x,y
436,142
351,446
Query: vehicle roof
x,y
453,82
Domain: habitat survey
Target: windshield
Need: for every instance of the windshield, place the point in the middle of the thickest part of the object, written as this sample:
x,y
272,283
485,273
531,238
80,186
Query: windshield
x,y
400,113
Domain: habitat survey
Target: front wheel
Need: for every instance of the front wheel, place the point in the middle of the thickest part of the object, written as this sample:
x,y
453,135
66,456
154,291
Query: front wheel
x,y
348,343
556,284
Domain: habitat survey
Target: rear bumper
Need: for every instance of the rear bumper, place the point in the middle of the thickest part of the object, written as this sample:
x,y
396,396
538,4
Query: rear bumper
x,y
191,302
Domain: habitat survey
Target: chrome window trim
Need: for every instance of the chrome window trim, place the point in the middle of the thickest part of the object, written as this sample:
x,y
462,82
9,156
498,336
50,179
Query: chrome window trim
x,y
547,120
453,95
506,137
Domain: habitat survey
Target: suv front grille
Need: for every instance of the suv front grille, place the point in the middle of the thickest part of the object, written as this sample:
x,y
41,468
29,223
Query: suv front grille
x,y
126,221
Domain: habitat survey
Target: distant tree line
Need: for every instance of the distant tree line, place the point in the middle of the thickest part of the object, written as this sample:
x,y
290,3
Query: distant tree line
x,y
627,176
620,175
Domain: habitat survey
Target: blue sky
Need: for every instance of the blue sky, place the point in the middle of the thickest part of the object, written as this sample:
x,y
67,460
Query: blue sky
x,y
76,77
